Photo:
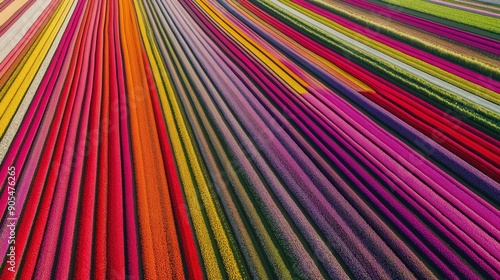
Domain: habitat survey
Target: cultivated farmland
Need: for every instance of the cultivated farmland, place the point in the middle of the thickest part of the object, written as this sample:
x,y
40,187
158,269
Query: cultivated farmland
x,y
249,139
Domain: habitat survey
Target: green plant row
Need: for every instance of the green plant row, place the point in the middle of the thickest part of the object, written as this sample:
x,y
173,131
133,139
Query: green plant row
x,y
475,23
470,5
462,60
474,114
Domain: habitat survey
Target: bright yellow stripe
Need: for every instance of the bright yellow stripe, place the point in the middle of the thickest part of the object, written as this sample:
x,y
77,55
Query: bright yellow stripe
x,y
182,162
187,160
295,82
312,56
415,62
15,89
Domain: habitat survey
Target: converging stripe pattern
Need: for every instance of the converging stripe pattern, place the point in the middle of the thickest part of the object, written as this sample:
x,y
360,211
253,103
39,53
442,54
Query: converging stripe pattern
x,y
249,139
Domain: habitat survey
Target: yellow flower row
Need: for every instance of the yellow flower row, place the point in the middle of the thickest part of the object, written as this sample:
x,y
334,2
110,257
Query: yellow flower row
x,y
196,186
274,64
14,90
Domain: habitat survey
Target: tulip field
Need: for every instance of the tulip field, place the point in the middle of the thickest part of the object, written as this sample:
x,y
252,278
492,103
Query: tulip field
x,y
249,139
